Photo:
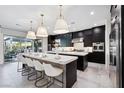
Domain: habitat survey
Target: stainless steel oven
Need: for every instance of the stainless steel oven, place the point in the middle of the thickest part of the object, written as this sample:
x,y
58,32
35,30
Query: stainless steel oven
x,y
98,46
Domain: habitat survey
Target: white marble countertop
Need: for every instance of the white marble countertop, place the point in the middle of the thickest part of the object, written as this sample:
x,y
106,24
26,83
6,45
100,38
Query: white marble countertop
x,y
52,58
72,53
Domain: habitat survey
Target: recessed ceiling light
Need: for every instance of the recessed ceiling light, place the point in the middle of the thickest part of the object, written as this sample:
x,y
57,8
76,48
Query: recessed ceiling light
x,y
18,25
92,13
95,24
69,25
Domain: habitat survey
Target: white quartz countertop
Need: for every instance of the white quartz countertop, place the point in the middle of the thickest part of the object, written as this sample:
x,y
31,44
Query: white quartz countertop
x,y
71,53
52,57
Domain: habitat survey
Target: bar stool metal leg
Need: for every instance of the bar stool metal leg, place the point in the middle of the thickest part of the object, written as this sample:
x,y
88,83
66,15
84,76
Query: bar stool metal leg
x,y
31,73
41,77
52,80
25,71
18,69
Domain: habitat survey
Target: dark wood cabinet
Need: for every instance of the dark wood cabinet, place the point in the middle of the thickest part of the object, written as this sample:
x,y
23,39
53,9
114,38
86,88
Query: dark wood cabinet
x,y
51,39
96,57
99,34
51,42
96,34
82,63
78,34
88,38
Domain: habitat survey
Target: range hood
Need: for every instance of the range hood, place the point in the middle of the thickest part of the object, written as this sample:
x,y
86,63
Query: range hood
x,y
77,40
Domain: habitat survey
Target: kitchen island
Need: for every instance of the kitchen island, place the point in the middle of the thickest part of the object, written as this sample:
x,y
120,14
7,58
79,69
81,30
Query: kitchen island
x,y
82,62
67,63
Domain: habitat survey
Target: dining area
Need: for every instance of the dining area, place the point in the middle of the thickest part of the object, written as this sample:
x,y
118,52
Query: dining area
x,y
46,69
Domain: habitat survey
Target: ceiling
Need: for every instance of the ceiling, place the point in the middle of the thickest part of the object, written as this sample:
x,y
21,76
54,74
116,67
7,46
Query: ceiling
x,y
78,17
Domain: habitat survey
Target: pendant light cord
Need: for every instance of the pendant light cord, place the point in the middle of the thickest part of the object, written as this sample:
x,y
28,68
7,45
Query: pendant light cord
x,y
42,19
31,25
60,11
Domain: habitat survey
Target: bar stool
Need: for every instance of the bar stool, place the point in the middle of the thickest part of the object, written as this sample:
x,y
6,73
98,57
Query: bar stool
x,y
24,65
38,68
20,63
30,67
51,73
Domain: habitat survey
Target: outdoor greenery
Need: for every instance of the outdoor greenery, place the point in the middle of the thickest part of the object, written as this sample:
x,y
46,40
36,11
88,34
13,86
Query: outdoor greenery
x,y
15,45
11,50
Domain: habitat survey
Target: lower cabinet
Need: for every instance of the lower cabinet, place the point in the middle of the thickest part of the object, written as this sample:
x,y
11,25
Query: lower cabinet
x,y
96,57
82,63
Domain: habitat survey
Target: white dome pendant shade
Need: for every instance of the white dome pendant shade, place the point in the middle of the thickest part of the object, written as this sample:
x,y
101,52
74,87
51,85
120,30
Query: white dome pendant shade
x,y
61,25
31,34
42,31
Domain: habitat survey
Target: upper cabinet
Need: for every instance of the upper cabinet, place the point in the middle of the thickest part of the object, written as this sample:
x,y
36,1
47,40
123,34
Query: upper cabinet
x,y
65,40
88,37
96,34
78,34
99,34
51,42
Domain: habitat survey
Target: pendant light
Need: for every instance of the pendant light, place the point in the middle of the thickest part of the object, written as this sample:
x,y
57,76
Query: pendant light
x,y
42,31
31,34
61,25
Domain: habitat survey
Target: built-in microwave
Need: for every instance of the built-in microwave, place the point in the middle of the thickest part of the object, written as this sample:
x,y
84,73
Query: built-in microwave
x,y
98,46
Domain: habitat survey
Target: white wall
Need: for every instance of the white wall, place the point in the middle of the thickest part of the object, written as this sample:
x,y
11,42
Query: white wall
x,y
45,44
107,33
14,33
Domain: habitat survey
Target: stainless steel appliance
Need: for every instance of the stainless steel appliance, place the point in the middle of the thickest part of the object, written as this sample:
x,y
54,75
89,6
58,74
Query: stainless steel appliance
x,y
98,46
115,43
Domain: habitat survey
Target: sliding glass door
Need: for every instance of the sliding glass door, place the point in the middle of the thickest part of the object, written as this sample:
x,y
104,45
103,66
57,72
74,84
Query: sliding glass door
x,y
14,45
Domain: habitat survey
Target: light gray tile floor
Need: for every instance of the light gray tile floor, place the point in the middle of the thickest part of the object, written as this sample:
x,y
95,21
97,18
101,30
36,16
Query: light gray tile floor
x,y
95,76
